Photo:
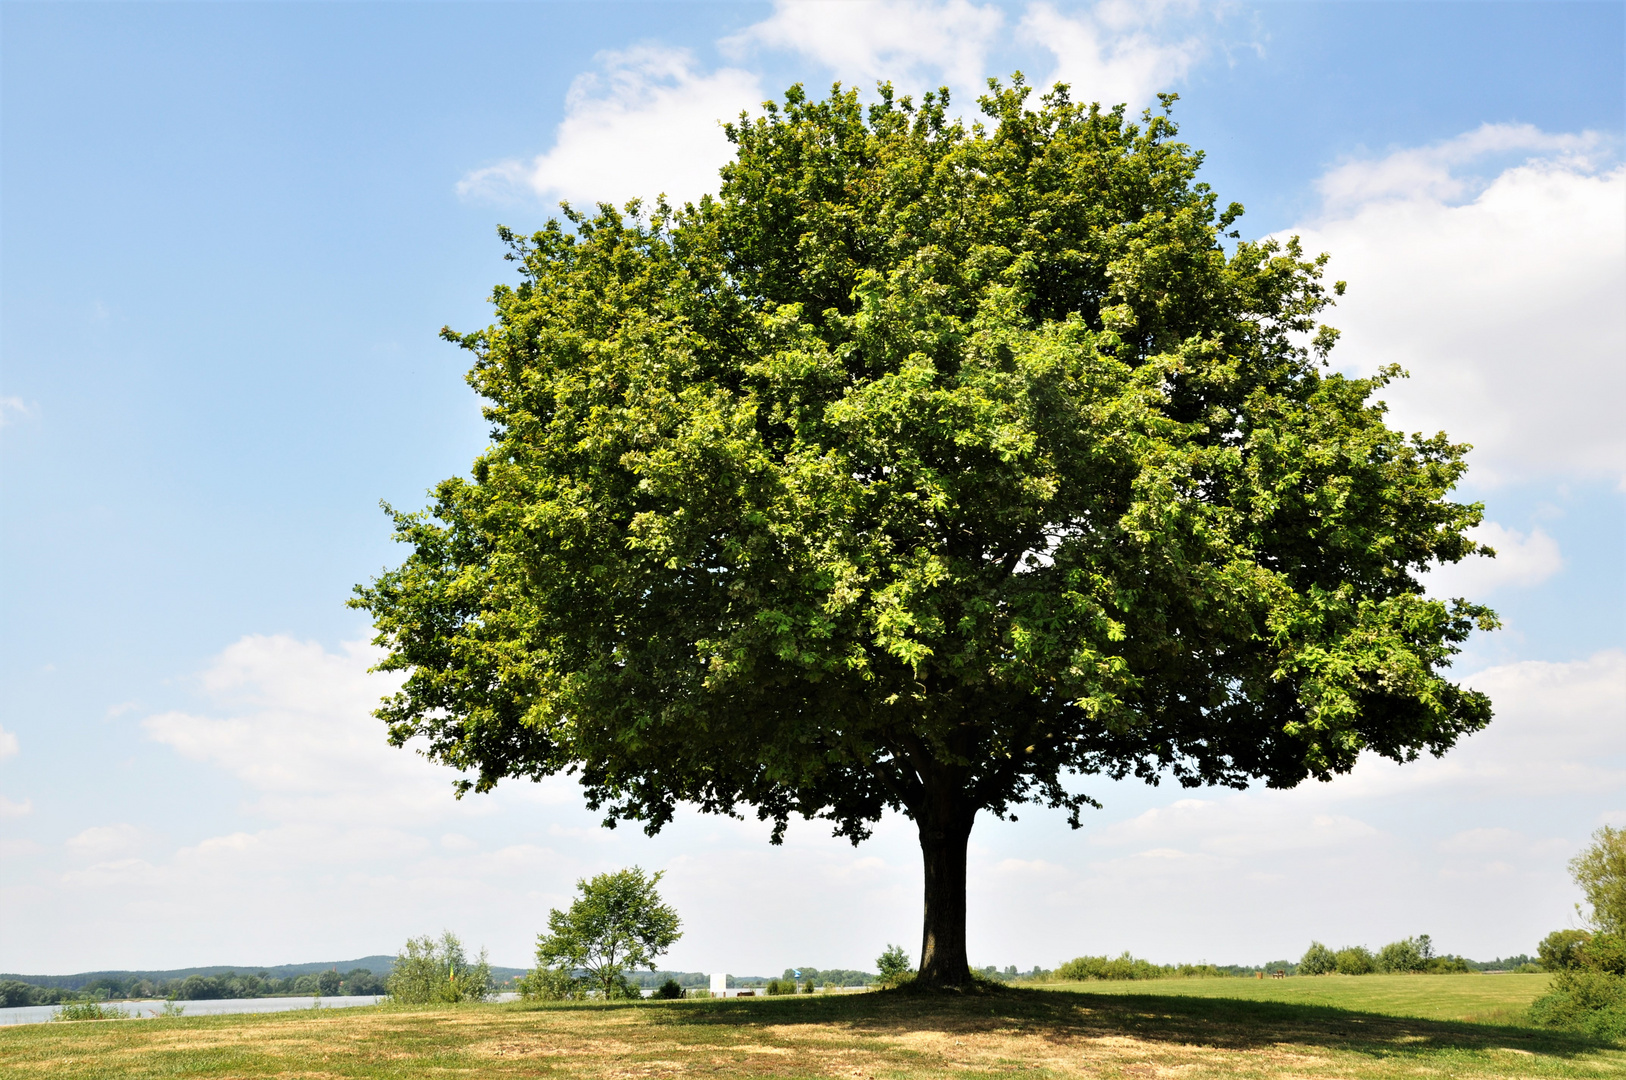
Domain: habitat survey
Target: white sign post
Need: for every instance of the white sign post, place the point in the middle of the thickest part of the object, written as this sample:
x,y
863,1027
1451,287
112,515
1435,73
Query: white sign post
x,y
719,985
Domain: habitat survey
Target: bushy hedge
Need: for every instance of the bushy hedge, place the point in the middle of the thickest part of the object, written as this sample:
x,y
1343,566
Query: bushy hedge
x,y
551,984
1318,960
1593,1002
1589,983
89,1010
1414,955
1088,968
428,971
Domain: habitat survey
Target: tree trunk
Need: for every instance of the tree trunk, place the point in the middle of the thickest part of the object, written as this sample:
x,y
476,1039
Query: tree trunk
x,y
945,830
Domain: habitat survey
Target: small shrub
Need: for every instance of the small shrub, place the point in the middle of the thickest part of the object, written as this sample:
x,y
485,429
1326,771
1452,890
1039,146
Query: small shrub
x,y
622,989
1401,957
1355,960
669,990
1451,965
893,964
88,1010
808,987
1593,1002
1195,971
1318,960
550,984
1086,968
428,971
698,994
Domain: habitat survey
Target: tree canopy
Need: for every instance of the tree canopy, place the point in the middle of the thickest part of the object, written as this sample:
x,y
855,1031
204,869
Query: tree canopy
x,y
927,467
1600,870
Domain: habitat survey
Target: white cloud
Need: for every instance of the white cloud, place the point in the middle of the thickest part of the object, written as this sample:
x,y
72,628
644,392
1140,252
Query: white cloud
x,y
9,809
1522,560
106,841
916,44
649,119
649,122
1436,172
1499,841
8,744
1113,53
1505,308
302,736
1235,829
1559,729
13,409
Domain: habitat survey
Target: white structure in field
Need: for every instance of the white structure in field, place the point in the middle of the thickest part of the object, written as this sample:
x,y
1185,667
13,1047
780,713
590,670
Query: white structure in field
x,y
719,985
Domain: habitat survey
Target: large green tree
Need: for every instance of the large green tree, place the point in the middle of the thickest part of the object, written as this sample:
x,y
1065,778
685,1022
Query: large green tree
x,y
929,468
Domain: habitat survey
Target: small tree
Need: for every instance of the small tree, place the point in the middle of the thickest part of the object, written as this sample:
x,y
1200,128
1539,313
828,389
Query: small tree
x,y
618,923
1600,870
1355,960
1318,960
1403,956
893,964
428,971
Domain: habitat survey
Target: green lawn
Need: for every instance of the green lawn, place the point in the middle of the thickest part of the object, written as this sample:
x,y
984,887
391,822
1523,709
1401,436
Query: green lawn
x,y
1309,1028
1432,997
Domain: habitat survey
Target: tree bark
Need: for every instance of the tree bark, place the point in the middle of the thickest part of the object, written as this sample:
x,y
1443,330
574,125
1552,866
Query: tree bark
x,y
945,830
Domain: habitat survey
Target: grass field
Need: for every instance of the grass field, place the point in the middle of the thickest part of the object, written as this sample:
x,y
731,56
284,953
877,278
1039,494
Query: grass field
x,y
1375,1026
1479,998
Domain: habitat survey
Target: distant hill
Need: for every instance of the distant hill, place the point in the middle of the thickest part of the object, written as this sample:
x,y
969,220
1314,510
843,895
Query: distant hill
x,y
378,965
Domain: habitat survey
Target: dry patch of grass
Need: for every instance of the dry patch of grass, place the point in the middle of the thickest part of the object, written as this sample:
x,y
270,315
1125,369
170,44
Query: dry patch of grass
x,y
1022,1033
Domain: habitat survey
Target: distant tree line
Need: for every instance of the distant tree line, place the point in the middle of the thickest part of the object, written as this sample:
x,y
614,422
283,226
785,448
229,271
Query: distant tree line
x,y
828,976
197,988
1413,955
1406,956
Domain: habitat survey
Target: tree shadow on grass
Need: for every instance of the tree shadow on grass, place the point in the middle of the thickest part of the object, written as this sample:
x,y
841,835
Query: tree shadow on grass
x,y
1060,1016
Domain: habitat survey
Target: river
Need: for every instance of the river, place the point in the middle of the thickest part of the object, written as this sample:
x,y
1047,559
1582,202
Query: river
x,y
38,1014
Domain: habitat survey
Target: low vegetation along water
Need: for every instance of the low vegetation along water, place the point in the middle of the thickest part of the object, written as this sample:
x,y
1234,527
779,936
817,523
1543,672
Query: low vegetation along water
x,y
1380,1026
147,1009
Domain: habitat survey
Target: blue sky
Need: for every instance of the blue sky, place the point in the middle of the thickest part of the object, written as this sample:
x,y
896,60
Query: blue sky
x,y
229,233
